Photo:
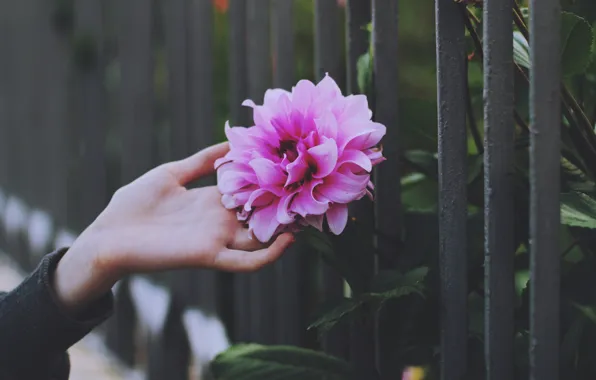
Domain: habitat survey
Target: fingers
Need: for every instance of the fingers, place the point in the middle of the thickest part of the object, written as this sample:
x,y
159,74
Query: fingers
x,y
198,165
244,261
245,240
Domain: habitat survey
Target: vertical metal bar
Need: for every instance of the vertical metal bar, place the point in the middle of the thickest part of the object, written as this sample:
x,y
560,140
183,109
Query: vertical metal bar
x,y
175,32
328,60
545,154
362,330
452,151
92,120
237,93
499,134
136,87
262,308
388,210
290,312
200,108
327,46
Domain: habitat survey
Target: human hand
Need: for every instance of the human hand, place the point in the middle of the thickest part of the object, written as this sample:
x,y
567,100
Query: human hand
x,y
155,223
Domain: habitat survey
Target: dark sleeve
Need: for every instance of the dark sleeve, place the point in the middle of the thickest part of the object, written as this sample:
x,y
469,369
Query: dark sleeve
x,y
35,331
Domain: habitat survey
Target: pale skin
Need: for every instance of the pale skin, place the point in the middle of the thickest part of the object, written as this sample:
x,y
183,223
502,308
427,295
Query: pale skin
x,y
154,224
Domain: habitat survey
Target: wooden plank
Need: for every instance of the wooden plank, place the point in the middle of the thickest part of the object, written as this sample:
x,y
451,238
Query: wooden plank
x,y
452,151
499,134
545,155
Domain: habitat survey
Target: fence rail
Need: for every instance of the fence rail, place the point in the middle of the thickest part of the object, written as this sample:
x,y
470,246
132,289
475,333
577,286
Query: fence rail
x,y
84,109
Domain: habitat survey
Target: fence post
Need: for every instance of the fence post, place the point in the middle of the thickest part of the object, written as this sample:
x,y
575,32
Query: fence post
x,y
452,151
90,176
262,307
237,93
545,218
328,59
499,133
388,210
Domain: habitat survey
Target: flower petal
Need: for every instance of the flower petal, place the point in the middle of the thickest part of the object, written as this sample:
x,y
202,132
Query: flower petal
x,y
263,222
357,134
258,198
268,172
315,220
284,215
343,188
355,159
324,157
337,218
306,204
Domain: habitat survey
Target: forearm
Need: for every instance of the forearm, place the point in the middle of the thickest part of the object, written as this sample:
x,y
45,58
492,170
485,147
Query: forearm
x,y
34,326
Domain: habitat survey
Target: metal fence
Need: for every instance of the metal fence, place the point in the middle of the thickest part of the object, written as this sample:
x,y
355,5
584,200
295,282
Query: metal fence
x,y
58,167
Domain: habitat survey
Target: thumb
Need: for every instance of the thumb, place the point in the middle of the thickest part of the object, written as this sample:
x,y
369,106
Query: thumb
x,y
199,164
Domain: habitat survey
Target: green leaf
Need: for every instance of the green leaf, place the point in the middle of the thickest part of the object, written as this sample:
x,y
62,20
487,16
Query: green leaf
x,y
392,284
364,70
331,317
521,50
588,311
576,42
578,210
257,362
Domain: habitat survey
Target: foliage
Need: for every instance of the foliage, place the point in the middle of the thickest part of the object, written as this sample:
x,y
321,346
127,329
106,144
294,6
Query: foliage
x,y
409,292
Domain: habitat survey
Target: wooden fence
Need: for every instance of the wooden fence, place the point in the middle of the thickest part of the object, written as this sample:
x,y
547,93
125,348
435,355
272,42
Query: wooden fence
x,y
81,113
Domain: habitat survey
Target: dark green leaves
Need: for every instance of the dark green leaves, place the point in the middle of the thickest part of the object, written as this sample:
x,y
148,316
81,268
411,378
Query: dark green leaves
x,y
256,362
576,43
578,210
385,286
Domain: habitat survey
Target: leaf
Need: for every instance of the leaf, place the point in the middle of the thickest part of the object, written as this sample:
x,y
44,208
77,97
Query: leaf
x,y
578,210
386,285
392,284
257,362
588,311
364,70
521,50
331,317
576,42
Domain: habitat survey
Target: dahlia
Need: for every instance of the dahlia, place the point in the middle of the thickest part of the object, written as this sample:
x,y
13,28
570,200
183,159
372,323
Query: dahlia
x,y
309,154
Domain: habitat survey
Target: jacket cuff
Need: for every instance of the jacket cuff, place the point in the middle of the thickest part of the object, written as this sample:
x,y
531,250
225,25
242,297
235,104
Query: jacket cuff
x,y
35,316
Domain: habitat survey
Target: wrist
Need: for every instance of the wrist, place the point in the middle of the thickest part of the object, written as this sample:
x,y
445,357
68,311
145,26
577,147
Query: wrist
x,y
84,273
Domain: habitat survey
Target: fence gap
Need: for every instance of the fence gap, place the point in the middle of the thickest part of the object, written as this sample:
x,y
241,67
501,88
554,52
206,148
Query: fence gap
x,y
499,133
452,152
545,156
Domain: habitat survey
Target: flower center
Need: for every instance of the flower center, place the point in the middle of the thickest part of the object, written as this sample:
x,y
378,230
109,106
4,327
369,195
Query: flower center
x,y
288,147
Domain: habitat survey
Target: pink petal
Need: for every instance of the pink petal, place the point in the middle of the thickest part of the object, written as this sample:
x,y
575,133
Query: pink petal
x,y
258,198
302,95
328,89
324,157
268,172
272,96
284,215
327,125
355,107
305,202
296,170
263,222
337,218
341,188
357,158
375,155
232,181
356,134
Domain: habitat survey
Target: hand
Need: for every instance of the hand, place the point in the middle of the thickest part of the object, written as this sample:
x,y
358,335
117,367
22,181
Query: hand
x,y
155,223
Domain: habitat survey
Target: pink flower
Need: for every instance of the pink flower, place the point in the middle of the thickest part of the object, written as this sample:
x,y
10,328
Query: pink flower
x,y
309,154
